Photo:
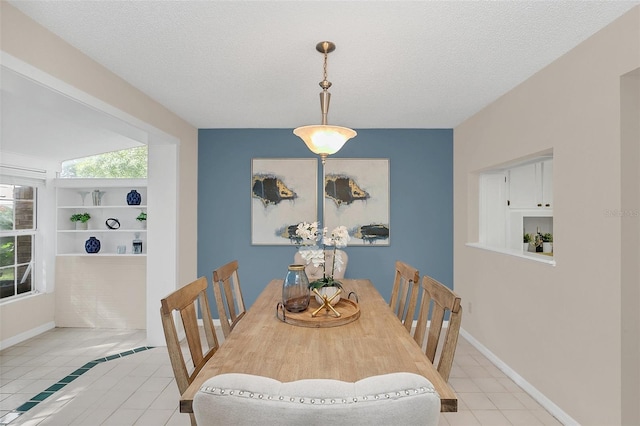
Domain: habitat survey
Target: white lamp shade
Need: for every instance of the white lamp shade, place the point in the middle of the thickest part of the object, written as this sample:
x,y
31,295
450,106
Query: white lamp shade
x,y
323,139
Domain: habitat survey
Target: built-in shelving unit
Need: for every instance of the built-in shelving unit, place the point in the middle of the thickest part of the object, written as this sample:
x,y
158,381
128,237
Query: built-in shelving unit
x,y
515,199
75,196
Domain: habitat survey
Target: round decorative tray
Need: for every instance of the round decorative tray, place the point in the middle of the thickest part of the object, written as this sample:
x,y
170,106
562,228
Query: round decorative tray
x,y
349,312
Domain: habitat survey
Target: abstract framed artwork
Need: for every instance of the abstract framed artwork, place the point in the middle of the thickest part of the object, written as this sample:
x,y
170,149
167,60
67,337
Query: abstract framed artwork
x,y
284,192
356,195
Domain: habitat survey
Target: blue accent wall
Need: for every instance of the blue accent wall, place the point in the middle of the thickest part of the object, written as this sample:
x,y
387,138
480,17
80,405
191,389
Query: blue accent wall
x,y
421,211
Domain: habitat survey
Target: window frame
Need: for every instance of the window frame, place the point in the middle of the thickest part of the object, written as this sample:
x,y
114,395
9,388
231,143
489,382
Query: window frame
x,y
18,267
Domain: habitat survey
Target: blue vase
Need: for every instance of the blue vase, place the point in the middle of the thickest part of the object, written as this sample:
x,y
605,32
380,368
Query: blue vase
x,y
134,198
92,245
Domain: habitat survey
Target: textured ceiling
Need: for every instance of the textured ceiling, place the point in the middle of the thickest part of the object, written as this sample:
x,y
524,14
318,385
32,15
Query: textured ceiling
x,y
238,64
253,64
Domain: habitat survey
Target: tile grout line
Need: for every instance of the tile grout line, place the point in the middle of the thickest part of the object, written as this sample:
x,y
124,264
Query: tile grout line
x,y
37,399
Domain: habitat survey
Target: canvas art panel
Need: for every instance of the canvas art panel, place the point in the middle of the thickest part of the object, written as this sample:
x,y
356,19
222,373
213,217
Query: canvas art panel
x,y
284,192
356,195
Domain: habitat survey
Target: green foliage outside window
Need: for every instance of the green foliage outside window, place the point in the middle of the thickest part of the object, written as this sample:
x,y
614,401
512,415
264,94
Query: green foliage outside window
x,y
7,248
6,217
128,163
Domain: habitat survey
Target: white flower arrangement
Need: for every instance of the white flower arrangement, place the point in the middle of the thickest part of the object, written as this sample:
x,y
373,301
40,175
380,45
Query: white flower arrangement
x,y
307,233
309,236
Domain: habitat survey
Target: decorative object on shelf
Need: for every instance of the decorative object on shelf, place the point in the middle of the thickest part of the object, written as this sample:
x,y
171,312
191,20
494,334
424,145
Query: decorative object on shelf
x,y
121,249
142,219
309,235
547,243
526,241
96,196
134,198
83,194
295,289
137,244
324,139
92,245
80,220
537,241
112,223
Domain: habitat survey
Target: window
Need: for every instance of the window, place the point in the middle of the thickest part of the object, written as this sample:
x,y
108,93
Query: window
x,y
127,163
17,236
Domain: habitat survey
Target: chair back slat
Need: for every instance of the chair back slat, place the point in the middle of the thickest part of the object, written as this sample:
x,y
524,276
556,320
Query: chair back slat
x,y
435,328
190,322
404,295
438,300
228,294
450,344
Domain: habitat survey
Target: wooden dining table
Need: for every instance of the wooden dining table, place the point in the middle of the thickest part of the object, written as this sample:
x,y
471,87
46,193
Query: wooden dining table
x,y
374,343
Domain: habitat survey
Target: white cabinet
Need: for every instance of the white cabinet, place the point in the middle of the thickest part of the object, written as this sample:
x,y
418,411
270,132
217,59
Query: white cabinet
x,y
547,183
493,213
531,186
522,187
515,199
75,196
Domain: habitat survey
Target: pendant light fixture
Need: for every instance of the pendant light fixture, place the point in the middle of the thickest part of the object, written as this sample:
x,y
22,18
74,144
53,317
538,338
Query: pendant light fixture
x,y
323,139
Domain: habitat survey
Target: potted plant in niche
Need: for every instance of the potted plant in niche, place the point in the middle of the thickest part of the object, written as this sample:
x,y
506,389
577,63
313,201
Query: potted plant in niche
x,y
547,243
526,241
537,242
80,220
142,218
338,238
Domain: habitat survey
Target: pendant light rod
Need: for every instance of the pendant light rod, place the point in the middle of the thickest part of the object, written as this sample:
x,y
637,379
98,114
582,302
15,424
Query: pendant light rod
x,y
324,139
325,47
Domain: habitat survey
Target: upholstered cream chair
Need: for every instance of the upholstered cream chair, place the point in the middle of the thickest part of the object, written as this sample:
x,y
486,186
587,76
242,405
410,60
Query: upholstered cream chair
x,y
315,272
389,399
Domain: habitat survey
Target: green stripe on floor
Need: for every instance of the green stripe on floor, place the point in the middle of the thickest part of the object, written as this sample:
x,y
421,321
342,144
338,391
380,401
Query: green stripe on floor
x,y
36,399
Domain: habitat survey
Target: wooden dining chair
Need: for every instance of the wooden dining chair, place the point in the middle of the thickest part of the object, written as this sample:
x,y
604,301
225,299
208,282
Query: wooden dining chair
x,y
183,301
404,295
444,299
226,289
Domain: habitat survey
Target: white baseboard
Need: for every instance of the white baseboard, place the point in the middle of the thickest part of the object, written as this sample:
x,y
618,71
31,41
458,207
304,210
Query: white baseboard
x,y
549,405
14,340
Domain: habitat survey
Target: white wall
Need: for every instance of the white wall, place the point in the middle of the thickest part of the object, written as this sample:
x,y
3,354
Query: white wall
x,y
40,305
29,42
557,327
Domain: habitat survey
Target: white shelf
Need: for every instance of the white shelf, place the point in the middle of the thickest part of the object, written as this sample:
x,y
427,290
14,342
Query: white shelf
x,y
70,242
536,257
94,231
81,207
103,254
98,183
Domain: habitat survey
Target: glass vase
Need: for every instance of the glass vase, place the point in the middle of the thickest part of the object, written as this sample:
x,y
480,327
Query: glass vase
x,y
295,289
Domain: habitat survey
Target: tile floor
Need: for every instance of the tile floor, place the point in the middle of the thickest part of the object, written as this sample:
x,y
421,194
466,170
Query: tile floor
x,y
62,377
